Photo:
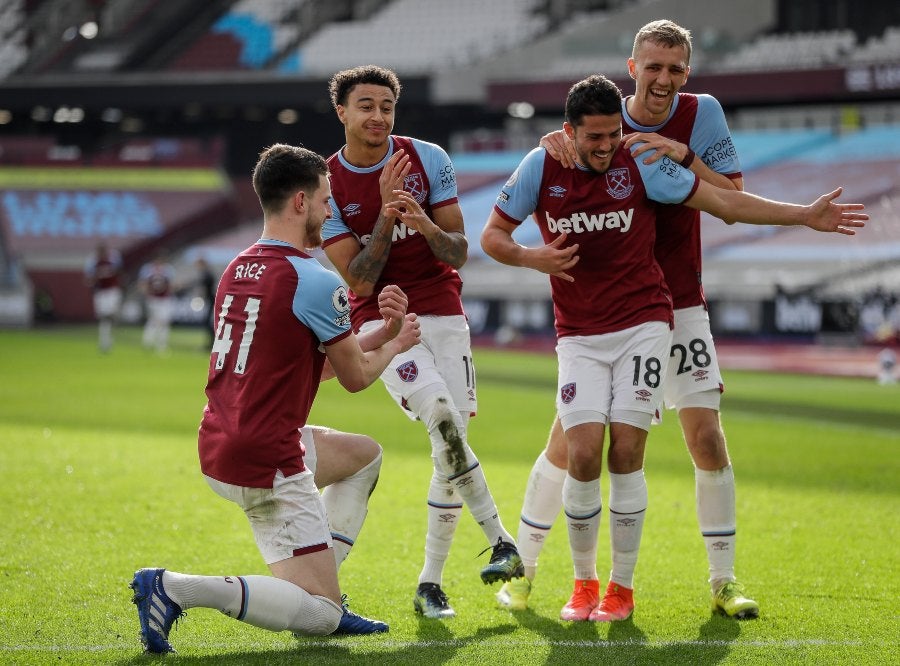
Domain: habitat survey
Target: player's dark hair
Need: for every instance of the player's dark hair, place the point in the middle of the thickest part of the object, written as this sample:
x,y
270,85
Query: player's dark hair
x,y
666,33
594,96
343,82
282,170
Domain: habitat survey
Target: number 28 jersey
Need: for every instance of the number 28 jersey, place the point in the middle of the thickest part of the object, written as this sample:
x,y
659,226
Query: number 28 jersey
x,y
275,307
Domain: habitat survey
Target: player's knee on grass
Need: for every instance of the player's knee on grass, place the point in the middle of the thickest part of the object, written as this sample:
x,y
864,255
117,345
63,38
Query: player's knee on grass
x,y
316,616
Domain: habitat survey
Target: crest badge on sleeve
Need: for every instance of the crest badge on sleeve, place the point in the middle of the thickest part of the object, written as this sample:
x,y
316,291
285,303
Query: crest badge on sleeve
x,y
339,300
415,185
408,371
618,183
567,393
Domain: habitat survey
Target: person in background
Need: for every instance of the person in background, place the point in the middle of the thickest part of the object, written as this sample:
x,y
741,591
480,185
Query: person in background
x,y
282,325
156,281
103,274
206,281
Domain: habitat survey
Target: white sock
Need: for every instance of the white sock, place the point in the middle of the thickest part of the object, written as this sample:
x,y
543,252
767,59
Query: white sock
x,y
541,506
582,504
346,502
105,333
444,508
263,601
627,509
455,459
717,517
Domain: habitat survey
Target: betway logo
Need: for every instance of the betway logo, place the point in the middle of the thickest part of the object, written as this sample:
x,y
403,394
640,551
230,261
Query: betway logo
x,y
580,223
400,232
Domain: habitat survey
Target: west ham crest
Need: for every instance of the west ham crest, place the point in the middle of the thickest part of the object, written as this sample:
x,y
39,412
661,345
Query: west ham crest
x,y
408,371
415,185
618,183
567,393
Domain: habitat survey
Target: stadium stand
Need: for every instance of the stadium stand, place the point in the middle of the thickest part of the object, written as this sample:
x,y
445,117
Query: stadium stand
x,y
201,85
807,50
430,35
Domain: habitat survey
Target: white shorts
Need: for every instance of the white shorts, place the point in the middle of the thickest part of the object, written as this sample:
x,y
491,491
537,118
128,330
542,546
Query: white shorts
x,y
612,377
287,519
107,302
159,310
443,356
311,456
693,378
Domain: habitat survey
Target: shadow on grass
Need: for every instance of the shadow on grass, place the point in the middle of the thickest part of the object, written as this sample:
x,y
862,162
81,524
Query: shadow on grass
x,y
435,643
626,643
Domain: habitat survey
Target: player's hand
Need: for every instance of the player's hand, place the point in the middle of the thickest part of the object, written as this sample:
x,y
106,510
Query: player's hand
x,y
660,145
560,147
554,259
392,305
826,215
410,333
407,210
393,174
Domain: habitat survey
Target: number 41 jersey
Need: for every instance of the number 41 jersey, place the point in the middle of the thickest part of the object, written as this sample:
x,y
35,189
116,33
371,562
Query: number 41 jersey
x,y
275,307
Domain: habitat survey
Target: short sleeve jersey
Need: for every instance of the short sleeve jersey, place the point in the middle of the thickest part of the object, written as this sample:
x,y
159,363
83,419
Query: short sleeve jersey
x,y
275,307
699,122
433,287
611,216
158,278
104,271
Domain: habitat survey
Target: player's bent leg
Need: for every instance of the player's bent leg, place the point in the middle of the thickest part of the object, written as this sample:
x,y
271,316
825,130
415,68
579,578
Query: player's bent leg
x,y
454,458
347,465
263,601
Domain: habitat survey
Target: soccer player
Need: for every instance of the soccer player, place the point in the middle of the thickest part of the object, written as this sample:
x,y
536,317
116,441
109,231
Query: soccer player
x,y
279,315
156,280
614,312
103,274
691,130
395,219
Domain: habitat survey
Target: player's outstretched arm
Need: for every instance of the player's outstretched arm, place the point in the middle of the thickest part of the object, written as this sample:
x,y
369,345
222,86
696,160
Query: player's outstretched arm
x,y
553,259
824,214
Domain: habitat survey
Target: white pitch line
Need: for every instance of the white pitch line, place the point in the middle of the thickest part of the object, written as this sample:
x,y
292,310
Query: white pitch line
x,y
463,642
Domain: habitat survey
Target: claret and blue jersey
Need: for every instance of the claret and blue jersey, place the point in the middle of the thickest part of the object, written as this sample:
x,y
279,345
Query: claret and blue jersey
x,y
612,216
432,287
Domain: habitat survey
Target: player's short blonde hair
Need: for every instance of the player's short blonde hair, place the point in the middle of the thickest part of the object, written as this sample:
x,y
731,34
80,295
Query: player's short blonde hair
x,y
664,32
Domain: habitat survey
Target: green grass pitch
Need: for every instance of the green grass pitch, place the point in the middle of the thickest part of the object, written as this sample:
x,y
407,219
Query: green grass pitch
x,y
100,477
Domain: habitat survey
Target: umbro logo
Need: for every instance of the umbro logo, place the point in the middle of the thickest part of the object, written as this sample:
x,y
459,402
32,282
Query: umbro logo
x,y
700,375
557,191
643,395
352,209
720,545
626,522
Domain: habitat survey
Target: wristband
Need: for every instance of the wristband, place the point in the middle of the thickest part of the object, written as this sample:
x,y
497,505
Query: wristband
x,y
688,159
